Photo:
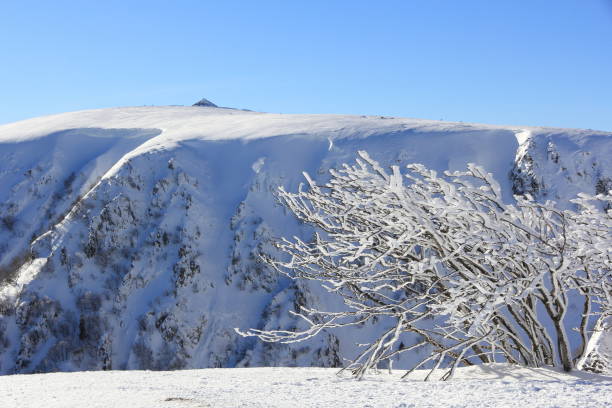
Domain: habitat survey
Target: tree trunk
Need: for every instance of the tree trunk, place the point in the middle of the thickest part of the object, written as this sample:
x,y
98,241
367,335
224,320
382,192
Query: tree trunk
x,y
565,354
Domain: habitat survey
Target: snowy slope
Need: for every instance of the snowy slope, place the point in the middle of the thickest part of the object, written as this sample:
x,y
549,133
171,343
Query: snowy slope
x,y
128,236
491,386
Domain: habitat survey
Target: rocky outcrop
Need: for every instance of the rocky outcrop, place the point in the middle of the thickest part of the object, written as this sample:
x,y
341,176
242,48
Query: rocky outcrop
x,y
205,103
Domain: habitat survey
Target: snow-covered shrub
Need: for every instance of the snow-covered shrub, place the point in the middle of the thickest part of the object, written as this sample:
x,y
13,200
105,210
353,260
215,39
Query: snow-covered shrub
x,y
443,257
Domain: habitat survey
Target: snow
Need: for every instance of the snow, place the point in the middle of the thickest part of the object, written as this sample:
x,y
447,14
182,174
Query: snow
x,y
523,136
436,144
491,386
208,123
258,165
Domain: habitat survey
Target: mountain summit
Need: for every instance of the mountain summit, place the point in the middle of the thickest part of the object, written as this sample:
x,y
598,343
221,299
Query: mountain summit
x,y
205,102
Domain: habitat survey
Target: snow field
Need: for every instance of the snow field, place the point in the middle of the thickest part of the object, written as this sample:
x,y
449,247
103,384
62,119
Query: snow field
x,y
496,385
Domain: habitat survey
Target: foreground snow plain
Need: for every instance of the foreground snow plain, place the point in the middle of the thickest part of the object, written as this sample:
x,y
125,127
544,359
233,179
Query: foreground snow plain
x,y
497,385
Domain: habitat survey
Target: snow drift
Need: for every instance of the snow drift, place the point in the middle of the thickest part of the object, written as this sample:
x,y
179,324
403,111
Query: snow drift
x,y
129,236
497,385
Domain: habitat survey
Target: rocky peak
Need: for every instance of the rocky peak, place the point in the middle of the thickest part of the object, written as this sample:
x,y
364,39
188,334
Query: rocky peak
x,y
206,103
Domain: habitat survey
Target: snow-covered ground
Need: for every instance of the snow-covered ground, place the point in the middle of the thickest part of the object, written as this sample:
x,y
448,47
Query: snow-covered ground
x,y
484,386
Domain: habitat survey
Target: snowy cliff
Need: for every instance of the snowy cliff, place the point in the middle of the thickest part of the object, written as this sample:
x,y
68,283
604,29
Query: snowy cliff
x,y
129,237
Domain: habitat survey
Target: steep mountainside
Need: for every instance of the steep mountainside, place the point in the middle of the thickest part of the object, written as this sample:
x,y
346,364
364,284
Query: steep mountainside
x,y
129,237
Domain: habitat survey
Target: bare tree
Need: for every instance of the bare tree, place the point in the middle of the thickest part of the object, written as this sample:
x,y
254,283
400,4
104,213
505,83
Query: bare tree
x,y
477,279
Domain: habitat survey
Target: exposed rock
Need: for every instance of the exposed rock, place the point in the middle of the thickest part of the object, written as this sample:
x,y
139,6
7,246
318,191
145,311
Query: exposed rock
x,y
206,103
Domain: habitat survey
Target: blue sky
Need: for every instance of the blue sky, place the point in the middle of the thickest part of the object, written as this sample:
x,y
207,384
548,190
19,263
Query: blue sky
x,y
531,62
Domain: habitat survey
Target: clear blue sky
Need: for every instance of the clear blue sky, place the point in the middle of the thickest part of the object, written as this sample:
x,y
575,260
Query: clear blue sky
x,y
530,62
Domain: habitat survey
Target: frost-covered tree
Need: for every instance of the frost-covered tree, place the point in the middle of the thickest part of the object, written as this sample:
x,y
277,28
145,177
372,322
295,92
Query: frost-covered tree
x,y
446,259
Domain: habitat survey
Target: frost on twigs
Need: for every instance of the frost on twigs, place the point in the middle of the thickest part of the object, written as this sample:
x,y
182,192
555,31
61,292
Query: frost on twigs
x,y
445,259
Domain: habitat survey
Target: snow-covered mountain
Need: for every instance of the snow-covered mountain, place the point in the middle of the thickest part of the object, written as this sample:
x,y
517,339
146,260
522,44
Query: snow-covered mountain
x,y
129,236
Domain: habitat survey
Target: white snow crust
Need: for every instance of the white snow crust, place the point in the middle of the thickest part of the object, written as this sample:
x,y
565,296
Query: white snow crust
x,y
483,386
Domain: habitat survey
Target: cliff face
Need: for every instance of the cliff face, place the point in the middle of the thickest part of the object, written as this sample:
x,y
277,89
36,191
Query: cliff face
x,y
129,238
551,165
